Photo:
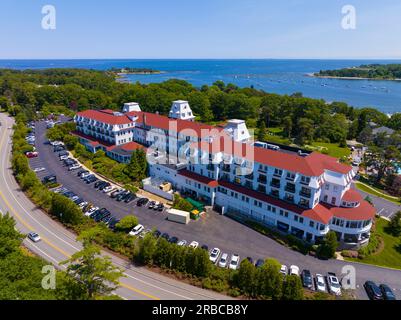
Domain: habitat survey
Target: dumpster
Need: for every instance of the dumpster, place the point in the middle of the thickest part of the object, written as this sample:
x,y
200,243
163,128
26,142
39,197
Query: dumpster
x,y
178,216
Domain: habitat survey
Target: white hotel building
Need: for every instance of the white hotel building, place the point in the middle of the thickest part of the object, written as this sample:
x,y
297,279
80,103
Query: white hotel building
x,y
302,193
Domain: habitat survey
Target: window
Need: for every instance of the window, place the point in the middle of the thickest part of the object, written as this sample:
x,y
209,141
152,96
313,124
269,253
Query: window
x,y
333,200
311,224
327,187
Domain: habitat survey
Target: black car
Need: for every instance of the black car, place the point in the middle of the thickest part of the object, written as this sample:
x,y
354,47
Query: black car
x,y
79,201
165,236
131,197
107,184
259,263
58,148
98,183
205,247
90,179
157,234
113,222
142,202
63,153
307,280
387,292
249,259
114,194
122,196
173,240
49,179
373,291
159,207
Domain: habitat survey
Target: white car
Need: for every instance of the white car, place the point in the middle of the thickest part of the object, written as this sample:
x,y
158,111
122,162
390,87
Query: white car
x,y
83,204
91,211
144,233
39,169
86,174
294,270
234,263
333,284
137,230
284,270
33,236
320,283
194,245
214,254
57,143
108,189
182,243
74,167
64,157
223,260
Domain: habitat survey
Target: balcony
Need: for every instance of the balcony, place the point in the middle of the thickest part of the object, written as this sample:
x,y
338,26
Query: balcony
x,y
261,189
289,199
303,204
275,193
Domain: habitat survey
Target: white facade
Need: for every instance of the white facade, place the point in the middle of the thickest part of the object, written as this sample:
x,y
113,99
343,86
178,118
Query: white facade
x,y
181,110
131,106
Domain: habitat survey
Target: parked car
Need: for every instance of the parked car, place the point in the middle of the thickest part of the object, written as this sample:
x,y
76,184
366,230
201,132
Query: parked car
x,y
193,245
249,259
159,207
137,230
173,240
307,280
142,202
152,204
373,291
101,216
157,234
387,292
259,263
165,236
116,193
294,270
214,254
284,270
85,174
39,169
108,189
74,167
234,263
91,211
182,243
320,283
65,157
32,154
81,172
122,196
90,179
130,197
205,247
144,233
104,185
223,260
333,284
83,204
33,236
49,179
113,222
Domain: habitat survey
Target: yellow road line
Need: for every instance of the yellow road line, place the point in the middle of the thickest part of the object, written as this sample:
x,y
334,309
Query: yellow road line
x,y
28,226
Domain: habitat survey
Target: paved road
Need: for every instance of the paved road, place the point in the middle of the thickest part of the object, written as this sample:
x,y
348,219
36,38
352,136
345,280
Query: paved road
x,y
58,243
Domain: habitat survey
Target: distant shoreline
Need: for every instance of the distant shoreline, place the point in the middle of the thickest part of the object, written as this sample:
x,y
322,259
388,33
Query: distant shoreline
x,y
314,75
122,74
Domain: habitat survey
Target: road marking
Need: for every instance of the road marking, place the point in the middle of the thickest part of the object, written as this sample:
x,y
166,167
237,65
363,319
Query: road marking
x,y
28,226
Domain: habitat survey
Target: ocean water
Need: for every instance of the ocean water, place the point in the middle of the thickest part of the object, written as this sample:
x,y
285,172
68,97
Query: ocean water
x,y
276,76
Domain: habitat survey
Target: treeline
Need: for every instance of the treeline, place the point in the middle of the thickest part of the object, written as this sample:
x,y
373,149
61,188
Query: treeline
x,y
302,119
370,71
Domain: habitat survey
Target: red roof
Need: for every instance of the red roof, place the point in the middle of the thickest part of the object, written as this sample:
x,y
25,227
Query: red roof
x,y
131,146
352,196
190,128
313,164
106,116
364,211
197,177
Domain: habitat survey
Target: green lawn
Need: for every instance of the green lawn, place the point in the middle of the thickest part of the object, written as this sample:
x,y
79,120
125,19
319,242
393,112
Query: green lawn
x,y
332,149
366,189
390,255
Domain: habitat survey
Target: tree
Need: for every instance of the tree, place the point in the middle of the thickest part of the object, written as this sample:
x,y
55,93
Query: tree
x,y
180,203
328,247
138,166
270,280
381,159
66,210
246,278
292,288
262,134
10,238
305,130
127,223
147,249
96,273
287,126
394,225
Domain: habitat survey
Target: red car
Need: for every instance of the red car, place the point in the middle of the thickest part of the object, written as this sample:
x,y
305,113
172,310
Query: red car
x,y
31,154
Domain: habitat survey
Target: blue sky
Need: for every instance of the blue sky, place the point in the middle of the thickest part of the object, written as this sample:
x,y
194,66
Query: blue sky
x,y
200,29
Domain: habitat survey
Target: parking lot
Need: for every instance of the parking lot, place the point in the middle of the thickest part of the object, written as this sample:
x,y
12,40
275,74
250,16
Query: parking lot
x,y
212,230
